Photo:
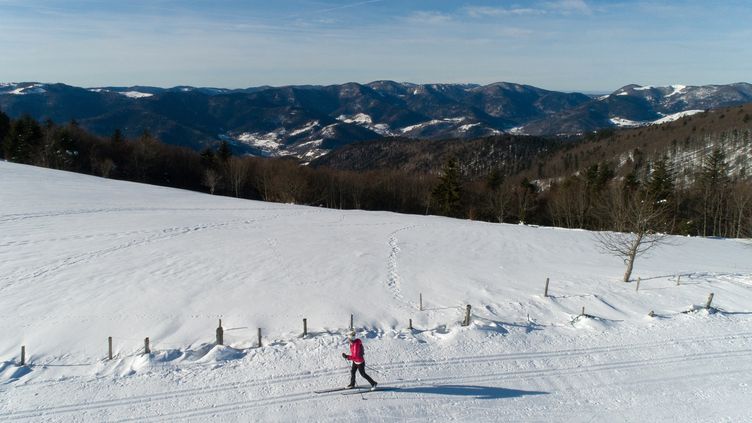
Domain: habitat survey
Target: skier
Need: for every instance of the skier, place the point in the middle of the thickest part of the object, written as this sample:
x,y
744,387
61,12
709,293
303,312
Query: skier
x,y
358,362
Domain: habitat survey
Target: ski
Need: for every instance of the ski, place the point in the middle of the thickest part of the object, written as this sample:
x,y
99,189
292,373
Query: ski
x,y
378,389
324,391
367,390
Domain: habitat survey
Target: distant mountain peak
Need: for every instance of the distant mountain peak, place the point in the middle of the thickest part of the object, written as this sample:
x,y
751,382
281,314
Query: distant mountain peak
x,y
278,120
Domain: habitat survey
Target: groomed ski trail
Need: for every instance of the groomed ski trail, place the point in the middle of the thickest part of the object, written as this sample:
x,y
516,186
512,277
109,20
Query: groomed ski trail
x,y
549,371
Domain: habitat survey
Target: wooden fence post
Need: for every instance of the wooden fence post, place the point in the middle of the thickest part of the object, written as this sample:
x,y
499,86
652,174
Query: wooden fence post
x,y
259,337
638,285
305,327
710,300
147,350
545,291
410,326
23,355
678,279
421,301
467,316
109,349
583,311
220,334
351,322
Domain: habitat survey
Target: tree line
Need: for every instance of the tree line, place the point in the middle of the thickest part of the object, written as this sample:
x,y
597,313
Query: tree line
x,y
707,202
711,202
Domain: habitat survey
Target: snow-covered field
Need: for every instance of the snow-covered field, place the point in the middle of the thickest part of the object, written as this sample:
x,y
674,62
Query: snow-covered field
x,y
84,258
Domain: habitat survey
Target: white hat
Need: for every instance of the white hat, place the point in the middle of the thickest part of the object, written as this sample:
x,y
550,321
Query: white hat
x,y
351,335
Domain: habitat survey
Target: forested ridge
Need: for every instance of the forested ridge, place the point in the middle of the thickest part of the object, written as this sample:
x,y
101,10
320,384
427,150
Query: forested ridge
x,y
695,170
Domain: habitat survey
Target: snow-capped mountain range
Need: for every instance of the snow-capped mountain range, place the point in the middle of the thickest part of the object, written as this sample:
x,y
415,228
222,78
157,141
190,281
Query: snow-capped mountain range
x,y
309,121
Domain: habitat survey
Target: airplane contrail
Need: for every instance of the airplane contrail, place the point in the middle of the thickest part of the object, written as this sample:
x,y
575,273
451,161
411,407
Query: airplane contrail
x,y
347,6
332,9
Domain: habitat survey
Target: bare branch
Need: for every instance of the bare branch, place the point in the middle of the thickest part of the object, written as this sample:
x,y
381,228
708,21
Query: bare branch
x,y
636,217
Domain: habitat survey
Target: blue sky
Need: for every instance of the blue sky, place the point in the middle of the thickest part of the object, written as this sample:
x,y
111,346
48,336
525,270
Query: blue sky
x,y
573,45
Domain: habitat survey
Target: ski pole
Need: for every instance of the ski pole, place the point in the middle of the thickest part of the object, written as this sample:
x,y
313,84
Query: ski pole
x,y
371,368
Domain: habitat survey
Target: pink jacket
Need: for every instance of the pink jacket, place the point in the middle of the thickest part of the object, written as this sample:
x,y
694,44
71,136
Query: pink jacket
x,y
356,352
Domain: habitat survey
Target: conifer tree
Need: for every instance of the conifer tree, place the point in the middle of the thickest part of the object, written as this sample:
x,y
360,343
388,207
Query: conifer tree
x,y
631,183
23,140
208,158
714,184
224,152
448,192
117,137
661,184
4,129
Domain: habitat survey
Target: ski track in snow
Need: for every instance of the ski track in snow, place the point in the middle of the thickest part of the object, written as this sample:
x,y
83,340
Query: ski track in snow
x,y
550,377
60,213
154,236
159,235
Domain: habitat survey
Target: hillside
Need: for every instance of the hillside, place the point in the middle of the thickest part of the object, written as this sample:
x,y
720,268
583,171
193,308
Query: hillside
x,y
684,142
83,258
478,157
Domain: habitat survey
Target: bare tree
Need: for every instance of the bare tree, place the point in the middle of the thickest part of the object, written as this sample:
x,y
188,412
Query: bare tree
x,y
283,182
741,203
237,172
211,180
568,203
638,219
356,190
500,203
103,166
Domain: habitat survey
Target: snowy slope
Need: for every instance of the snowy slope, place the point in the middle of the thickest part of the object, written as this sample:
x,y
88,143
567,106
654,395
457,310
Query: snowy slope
x,y
84,258
626,123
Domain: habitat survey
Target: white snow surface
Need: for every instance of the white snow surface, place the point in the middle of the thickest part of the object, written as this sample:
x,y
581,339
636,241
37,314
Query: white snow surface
x,y
678,89
135,94
269,142
24,90
310,126
360,118
432,122
366,121
467,127
83,258
676,116
625,123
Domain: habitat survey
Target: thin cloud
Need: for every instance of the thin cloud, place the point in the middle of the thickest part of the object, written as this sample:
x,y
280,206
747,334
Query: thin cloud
x,y
429,17
348,6
484,11
560,7
336,8
570,6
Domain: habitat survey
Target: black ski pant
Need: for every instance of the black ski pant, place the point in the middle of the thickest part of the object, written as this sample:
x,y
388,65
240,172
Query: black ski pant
x,y
361,367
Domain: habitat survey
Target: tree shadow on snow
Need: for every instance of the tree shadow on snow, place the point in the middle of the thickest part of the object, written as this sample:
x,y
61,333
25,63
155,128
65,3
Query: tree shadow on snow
x,y
478,392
